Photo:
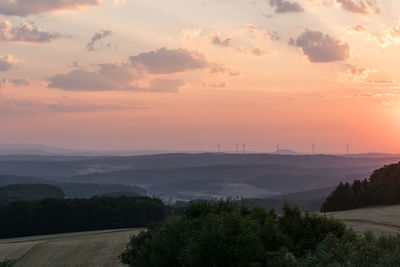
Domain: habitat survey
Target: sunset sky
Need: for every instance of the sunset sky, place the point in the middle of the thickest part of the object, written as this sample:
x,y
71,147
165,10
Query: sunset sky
x,y
189,74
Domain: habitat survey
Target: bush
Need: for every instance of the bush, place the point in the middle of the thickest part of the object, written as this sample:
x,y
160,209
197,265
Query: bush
x,y
7,263
223,233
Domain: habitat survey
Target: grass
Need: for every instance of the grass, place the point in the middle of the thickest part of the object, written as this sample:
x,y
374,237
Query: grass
x,y
380,220
100,248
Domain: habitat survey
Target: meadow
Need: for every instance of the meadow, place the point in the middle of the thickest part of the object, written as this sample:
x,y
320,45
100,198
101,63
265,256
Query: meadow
x,y
99,248
380,219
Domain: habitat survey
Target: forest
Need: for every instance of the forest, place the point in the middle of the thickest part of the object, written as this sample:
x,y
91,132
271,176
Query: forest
x,y
52,216
381,188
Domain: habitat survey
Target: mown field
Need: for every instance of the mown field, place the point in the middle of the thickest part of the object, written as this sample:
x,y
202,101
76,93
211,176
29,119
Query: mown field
x,y
380,220
100,248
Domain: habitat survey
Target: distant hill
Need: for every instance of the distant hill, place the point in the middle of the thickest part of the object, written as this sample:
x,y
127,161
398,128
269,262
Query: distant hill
x,y
310,200
286,152
43,150
185,176
119,194
373,155
28,192
75,190
13,179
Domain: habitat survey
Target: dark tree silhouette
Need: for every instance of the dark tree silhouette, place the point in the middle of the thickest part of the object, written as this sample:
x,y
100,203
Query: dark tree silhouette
x,y
382,188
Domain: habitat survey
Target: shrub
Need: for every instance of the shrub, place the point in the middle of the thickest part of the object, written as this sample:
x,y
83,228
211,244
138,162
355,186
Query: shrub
x,y
223,233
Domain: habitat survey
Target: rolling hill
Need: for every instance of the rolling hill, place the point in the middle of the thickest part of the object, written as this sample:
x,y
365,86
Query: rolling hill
x,y
75,190
188,176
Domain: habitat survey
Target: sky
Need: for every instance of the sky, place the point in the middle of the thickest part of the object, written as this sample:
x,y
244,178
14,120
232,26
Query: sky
x,y
189,75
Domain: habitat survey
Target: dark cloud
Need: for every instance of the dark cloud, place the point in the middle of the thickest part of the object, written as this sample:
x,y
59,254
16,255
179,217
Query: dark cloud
x,y
25,32
20,82
110,77
359,6
155,66
6,63
80,80
106,77
217,40
118,73
258,52
164,61
321,48
283,6
98,36
274,36
29,7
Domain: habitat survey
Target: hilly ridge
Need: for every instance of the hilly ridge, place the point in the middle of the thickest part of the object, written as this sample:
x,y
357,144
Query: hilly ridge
x,y
205,175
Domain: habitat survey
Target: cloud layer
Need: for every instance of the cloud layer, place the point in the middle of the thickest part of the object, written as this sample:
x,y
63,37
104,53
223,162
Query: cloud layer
x,y
30,7
368,7
98,36
106,77
146,72
216,39
164,61
284,6
25,32
6,63
319,47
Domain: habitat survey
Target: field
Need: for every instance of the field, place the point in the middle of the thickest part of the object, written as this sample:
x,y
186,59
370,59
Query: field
x,y
100,248
380,220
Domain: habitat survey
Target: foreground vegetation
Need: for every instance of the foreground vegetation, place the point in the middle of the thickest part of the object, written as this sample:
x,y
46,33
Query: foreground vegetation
x,y
51,216
222,233
382,188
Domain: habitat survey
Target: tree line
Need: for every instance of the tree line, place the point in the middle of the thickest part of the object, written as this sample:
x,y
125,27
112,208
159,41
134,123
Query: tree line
x,y
224,233
27,192
52,216
381,188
